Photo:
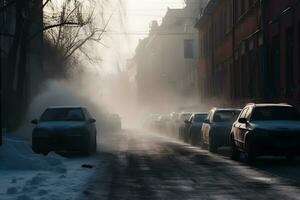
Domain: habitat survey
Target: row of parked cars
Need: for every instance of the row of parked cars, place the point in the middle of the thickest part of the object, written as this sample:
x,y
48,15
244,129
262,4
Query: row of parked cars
x,y
255,130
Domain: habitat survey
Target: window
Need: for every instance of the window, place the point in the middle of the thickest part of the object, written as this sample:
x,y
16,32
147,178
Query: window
x,y
63,114
188,48
199,117
225,116
274,113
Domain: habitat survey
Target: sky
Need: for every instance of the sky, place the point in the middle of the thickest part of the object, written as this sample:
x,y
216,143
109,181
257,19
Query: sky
x,y
124,32
140,13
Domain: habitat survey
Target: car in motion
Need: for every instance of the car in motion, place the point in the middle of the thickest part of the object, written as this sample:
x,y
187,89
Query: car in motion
x,y
216,127
194,127
65,129
266,129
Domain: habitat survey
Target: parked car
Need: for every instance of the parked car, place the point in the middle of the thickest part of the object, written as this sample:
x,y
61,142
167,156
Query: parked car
x,y
266,129
182,125
64,129
216,127
194,127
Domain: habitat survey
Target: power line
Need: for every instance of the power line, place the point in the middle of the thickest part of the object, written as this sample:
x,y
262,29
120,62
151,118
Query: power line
x,y
145,33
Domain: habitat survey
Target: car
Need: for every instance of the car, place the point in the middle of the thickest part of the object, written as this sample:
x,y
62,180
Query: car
x,y
183,116
216,128
194,127
266,129
65,129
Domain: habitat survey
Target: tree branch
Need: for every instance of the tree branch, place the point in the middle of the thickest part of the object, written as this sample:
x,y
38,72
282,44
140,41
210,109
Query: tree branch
x,y
53,26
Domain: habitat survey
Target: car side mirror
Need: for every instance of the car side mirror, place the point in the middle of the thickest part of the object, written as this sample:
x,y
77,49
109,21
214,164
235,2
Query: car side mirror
x,y
243,120
34,121
92,120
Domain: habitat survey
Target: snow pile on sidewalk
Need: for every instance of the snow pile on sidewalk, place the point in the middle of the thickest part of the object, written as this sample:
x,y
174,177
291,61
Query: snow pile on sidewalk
x,y
18,155
25,175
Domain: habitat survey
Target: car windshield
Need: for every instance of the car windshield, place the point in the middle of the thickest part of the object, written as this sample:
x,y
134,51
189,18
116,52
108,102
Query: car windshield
x,y
63,114
225,116
275,113
200,117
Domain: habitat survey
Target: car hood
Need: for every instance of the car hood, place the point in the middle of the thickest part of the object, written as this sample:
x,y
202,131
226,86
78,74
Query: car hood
x,y
276,125
60,125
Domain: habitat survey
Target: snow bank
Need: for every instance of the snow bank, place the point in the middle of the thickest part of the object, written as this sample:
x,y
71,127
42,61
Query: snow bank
x,y
25,175
17,155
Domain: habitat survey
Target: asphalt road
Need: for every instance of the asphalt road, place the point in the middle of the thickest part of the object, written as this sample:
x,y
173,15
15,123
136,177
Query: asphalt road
x,y
141,165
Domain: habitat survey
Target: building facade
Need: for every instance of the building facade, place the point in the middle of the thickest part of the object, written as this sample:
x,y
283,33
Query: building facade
x,y
167,59
282,36
253,51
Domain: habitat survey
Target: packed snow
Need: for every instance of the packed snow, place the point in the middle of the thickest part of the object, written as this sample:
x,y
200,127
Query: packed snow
x,y
25,175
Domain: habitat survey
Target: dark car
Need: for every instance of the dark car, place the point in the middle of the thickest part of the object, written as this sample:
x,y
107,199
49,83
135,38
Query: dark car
x,y
194,127
65,129
216,127
266,129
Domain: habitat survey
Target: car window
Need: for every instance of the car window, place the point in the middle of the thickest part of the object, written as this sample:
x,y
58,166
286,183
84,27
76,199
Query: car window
x,y
225,116
63,114
274,113
199,117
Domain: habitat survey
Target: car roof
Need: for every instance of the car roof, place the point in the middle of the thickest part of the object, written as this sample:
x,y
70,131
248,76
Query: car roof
x,y
62,107
200,113
227,109
270,105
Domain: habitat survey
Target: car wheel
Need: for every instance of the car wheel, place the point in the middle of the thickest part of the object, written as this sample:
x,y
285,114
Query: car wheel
x,y
235,153
212,147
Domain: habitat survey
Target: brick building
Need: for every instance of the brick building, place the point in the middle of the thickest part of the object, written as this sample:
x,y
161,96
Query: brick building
x,y
251,52
282,36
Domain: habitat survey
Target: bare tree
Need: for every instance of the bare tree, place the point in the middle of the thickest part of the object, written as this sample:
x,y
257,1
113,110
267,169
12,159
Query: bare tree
x,y
71,26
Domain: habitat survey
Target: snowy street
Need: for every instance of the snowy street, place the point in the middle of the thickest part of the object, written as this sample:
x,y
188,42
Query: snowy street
x,y
142,165
146,166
